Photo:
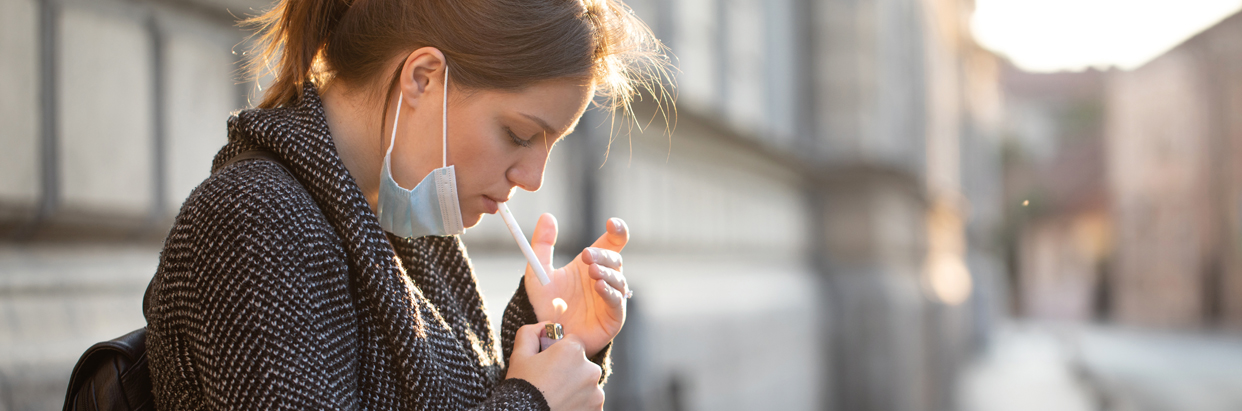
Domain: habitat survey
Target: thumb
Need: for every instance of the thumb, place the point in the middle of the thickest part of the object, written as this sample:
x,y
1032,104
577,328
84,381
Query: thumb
x,y
616,235
526,342
543,241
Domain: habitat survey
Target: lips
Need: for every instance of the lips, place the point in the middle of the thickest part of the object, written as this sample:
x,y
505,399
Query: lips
x,y
491,205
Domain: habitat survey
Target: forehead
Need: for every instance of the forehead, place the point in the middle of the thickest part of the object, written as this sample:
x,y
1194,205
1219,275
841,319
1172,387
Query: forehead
x,y
559,103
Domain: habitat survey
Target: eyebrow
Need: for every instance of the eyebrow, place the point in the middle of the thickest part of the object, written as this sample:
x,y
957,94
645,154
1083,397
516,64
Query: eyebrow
x,y
546,128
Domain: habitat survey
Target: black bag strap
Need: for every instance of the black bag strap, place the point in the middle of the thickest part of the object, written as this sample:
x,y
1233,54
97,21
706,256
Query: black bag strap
x,y
253,154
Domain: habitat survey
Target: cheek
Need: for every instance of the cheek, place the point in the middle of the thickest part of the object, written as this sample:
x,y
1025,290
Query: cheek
x,y
481,161
482,173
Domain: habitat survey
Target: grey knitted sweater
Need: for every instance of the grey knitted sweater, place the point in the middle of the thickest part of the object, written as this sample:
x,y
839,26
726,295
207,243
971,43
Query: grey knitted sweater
x,y
277,289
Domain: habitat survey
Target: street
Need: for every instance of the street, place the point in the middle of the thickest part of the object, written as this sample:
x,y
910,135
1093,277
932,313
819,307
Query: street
x,y
1046,366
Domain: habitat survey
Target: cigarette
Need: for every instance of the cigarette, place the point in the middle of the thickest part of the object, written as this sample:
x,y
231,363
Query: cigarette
x,y
523,243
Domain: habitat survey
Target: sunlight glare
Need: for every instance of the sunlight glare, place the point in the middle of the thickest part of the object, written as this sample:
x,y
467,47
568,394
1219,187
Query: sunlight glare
x,y
1053,35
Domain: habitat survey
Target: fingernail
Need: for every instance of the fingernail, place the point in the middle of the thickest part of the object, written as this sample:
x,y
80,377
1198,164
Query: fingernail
x,y
616,225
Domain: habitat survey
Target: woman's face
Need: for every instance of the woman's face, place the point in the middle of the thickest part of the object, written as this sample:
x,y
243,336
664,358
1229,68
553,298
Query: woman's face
x,y
497,140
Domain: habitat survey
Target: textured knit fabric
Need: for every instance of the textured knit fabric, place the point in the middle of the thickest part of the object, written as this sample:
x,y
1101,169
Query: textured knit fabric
x,y
277,289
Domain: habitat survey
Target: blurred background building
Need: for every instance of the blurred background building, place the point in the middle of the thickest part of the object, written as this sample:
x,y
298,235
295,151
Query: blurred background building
x,y
858,207
1130,206
1122,227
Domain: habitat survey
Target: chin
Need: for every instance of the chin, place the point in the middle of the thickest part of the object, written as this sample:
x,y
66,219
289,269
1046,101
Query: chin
x,y
469,220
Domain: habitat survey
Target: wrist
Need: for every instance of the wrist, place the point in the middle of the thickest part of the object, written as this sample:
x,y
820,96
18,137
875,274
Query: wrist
x,y
523,390
599,354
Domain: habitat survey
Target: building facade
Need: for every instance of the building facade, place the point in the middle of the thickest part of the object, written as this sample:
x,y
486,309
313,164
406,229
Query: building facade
x,y
1173,143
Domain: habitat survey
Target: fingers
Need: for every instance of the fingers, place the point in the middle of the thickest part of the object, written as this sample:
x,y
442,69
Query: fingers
x,y
612,277
617,234
604,260
611,295
543,240
602,256
526,342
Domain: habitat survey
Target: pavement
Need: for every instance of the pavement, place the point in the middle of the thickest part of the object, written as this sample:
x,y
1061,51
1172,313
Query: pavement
x,y
1071,367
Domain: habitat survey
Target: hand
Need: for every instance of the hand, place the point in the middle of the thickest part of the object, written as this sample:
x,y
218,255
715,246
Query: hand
x,y
588,295
562,373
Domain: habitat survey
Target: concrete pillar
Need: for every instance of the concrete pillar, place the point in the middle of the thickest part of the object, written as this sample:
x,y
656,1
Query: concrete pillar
x,y
19,108
200,93
872,250
105,103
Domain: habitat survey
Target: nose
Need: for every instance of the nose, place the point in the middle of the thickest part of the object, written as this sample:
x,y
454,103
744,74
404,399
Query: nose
x,y
527,173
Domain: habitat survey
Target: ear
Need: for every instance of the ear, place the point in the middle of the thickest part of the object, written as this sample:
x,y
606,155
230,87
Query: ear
x,y
423,70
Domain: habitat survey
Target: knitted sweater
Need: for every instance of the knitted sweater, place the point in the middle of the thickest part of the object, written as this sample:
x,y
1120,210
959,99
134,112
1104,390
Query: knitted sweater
x,y
277,289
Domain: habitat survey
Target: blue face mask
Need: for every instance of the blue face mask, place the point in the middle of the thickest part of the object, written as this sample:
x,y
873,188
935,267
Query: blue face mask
x,y
431,208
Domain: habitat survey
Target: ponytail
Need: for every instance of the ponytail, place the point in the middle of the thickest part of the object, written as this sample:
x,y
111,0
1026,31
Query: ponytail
x,y
295,32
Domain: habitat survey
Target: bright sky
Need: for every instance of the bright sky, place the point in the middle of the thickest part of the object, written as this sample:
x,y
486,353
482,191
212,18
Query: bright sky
x,y
1052,35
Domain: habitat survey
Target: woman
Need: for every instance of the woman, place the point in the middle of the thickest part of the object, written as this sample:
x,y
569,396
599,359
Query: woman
x,y
324,279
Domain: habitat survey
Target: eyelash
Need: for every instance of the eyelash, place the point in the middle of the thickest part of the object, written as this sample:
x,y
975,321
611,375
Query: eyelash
x,y
516,140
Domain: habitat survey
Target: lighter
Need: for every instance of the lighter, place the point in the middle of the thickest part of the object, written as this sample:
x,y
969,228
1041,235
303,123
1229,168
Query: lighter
x,y
552,332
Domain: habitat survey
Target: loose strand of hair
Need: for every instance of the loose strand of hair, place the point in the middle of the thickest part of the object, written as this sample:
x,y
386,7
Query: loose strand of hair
x,y
292,34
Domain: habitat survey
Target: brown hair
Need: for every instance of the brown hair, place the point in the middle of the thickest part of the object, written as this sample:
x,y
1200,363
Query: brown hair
x,y
489,44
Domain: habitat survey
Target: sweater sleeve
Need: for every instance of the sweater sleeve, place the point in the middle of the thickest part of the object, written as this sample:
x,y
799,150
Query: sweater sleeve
x,y
520,312
252,310
514,394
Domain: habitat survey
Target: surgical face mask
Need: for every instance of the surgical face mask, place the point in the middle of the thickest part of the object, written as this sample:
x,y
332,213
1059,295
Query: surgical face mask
x,y
431,208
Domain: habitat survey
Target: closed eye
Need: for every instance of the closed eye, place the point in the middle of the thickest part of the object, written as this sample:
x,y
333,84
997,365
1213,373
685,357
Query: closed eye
x,y
517,140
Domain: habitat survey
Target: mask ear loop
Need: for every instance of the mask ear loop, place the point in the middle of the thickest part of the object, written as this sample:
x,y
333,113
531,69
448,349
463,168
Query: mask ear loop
x,y
444,121
393,140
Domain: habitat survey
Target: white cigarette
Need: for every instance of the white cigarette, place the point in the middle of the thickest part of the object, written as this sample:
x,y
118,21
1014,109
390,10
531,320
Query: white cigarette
x,y
523,244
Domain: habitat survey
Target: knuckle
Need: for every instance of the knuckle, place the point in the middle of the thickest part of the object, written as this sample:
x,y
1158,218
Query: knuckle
x,y
612,256
568,347
526,329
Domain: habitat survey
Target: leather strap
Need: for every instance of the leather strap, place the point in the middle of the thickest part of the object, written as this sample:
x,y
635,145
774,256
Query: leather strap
x,y
255,154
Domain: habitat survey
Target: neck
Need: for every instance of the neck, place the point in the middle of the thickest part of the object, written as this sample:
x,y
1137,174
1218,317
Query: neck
x,y
356,122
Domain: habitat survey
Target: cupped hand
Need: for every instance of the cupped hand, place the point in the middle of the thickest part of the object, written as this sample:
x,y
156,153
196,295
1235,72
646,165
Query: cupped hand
x,y
588,295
